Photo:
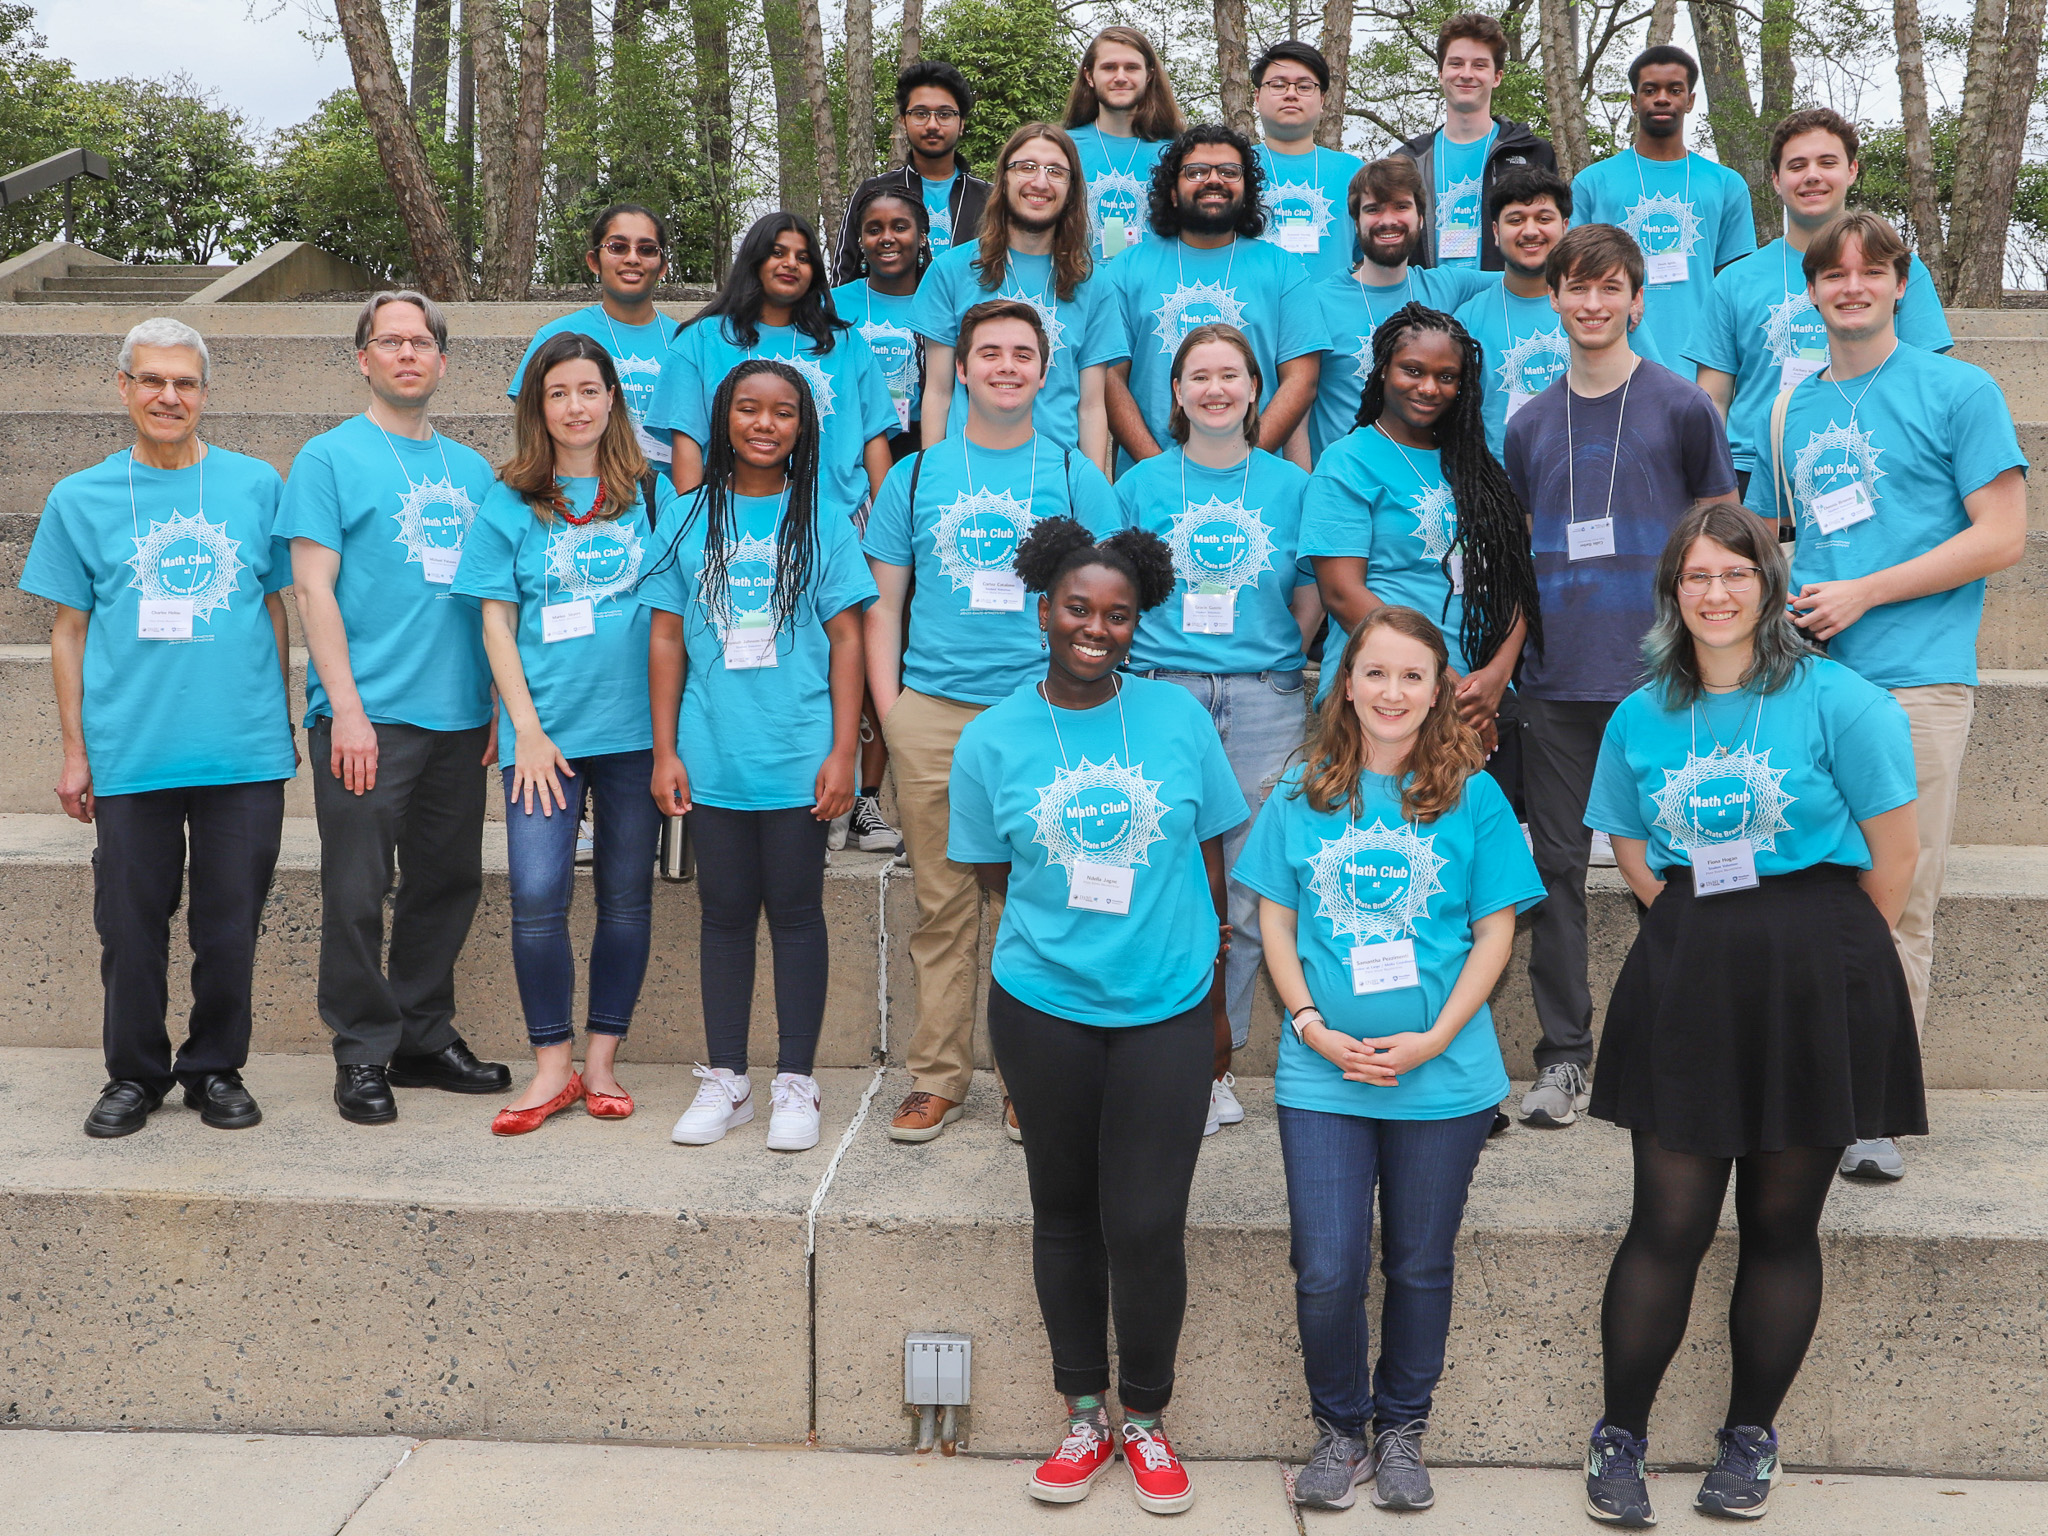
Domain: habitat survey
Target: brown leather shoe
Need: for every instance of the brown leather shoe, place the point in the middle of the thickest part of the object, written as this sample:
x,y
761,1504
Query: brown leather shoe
x,y
921,1116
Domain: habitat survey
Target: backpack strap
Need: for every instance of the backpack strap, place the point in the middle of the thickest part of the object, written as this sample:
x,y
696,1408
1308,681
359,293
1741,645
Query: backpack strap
x,y
916,469
1788,510
647,489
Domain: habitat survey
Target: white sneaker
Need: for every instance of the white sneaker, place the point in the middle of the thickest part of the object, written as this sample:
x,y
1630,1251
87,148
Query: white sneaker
x,y
1215,1122
723,1101
835,835
793,1124
1223,1106
1602,856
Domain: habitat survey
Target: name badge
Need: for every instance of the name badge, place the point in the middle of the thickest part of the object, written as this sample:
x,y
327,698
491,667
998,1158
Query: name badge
x,y
1517,398
168,618
1115,236
1457,243
1456,562
567,621
1383,967
1298,235
1666,267
1094,887
1591,540
1804,366
995,592
750,643
1206,611
1729,866
438,565
1837,509
657,451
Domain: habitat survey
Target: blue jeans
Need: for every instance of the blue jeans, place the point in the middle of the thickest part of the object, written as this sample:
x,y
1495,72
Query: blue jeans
x,y
1423,1169
542,853
1261,717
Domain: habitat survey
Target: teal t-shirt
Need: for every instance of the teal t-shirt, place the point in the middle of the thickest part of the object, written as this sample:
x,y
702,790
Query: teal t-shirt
x,y
1376,878
1691,217
1371,496
753,738
973,507
204,709
397,511
1793,771
883,321
938,207
637,351
1119,176
1165,289
1308,213
1352,311
1460,171
590,690
1232,531
1081,332
1921,431
1137,784
1761,327
846,384
1523,351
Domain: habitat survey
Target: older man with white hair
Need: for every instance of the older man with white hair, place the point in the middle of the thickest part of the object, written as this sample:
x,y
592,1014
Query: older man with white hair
x,y
169,656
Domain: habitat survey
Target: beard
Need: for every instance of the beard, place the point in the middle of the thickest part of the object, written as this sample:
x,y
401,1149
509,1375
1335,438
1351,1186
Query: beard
x,y
1197,220
1020,220
1380,257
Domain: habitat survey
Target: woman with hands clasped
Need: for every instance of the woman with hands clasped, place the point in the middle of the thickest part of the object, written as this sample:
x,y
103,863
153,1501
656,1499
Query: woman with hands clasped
x,y
1389,870
557,553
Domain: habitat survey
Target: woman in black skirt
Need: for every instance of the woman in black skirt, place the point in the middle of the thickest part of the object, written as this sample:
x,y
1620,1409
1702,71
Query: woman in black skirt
x,y
1760,799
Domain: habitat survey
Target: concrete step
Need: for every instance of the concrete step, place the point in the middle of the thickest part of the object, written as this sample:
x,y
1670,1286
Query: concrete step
x,y
310,1276
86,283
160,295
142,271
2014,634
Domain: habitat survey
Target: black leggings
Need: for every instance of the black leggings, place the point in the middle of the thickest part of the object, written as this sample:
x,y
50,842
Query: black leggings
x,y
1678,1195
747,860
1112,1122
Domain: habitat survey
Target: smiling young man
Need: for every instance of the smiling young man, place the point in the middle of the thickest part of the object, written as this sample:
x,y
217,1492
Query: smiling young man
x,y
932,103
1761,333
1121,115
1689,215
1306,184
952,517
1463,160
1905,476
1605,461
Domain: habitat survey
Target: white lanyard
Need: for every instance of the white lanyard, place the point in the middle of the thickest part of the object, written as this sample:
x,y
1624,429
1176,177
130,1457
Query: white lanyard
x,y
411,484
162,618
1128,170
1454,559
1693,748
1243,490
1365,293
1210,608
1593,538
1031,491
134,518
1046,300
1864,393
1644,186
1442,180
1728,864
1180,263
1053,715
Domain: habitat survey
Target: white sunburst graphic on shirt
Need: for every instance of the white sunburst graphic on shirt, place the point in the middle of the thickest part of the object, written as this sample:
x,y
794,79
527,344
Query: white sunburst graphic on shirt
x,y
203,573
1547,349
879,334
1254,544
1115,183
1455,193
1320,212
1102,812
595,561
1660,209
1375,882
1807,468
1760,796
1049,317
970,516
1174,325
415,517
1779,326
814,373
1436,521
745,551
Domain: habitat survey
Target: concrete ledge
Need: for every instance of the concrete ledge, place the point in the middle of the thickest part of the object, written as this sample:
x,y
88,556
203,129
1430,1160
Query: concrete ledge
x,y
284,271
2014,635
53,258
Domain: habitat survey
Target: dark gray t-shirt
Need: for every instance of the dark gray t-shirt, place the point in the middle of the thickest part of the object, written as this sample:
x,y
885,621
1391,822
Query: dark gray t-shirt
x,y
1673,451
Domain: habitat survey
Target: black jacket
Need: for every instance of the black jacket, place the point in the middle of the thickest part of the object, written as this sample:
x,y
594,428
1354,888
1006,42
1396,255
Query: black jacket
x,y
968,198
1516,144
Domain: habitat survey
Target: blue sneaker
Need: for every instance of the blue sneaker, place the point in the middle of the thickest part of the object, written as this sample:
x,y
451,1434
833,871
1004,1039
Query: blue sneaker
x,y
1615,1491
1739,1486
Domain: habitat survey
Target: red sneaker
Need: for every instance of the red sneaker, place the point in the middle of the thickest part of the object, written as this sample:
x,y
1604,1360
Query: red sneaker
x,y
1157,1476
1070,1471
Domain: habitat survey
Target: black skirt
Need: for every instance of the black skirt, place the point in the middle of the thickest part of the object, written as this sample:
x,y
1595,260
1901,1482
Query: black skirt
x,y
1763,1019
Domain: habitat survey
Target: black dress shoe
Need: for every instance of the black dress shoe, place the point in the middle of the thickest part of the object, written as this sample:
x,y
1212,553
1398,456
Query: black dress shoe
x,y
453,1068
363,1096
123,1109
223,1102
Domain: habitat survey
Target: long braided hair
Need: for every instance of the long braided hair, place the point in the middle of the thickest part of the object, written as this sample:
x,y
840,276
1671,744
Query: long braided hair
x,y
1500,575
796,541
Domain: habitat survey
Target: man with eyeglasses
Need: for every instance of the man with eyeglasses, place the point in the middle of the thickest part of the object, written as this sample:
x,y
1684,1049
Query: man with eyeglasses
x,y
1034,248
398,713
1209,266
170,660
932,103
1305,183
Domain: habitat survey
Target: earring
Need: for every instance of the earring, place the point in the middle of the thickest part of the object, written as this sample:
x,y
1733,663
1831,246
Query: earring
x,y
1044,640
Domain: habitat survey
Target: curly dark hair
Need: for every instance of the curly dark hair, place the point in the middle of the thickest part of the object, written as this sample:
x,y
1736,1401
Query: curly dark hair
x,y
1165,212
1057,545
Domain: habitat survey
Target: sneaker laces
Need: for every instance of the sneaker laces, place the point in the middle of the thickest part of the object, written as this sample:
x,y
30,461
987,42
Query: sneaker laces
x,y
1332,1450
1567,1075
1152,1448
867,815
1616,1448
1079,1446
1743,1450
713,1092
791,1090
1400,1449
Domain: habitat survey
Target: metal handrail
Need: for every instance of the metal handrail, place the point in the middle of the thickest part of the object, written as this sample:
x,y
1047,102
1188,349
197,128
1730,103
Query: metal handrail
x,y
63,168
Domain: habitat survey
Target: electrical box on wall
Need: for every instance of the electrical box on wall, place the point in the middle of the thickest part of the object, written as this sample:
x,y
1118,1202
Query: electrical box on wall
x,y
936,1368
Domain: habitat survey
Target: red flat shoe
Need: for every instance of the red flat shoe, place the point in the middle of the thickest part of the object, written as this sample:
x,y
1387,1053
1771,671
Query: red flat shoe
x,y
608,1106
517,1122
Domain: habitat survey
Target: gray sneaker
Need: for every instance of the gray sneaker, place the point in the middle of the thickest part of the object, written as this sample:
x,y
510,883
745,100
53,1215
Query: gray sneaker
x,y
1399,1479
1556,1097
1336,1467
1874,1159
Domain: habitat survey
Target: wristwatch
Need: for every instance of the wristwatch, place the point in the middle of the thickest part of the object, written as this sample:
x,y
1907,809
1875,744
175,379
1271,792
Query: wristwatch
x,y
1301,1018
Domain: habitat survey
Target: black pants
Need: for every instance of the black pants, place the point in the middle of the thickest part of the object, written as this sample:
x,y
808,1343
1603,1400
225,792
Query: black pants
x,y
747,860
138,873
1112,1122
1560,746
425,820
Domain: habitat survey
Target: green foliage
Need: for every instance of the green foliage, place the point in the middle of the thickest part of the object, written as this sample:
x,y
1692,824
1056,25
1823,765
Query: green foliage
x,y
34,93
1016,56
324,184
184,171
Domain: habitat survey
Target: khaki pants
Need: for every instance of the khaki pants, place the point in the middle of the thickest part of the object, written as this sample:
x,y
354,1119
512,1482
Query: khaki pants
x,y
945,948
1940,715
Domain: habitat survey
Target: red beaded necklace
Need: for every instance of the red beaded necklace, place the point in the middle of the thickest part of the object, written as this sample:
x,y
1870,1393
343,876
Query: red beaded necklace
x,y
561,506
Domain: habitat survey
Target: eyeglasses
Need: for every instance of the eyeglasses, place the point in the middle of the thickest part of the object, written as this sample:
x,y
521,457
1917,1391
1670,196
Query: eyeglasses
x,y
391,346
1738,580
1200,171
647,250
1290,87
1058,175
931,114
156,383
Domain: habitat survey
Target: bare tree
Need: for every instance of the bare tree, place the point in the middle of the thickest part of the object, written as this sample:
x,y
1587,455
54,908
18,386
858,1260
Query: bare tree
x,y
1338,16
430,64
711,32
1233,65
1663,22
1558,30
1741,137
1998,90
576,53
796,179
465,140
908,48
860,91
496,106
824,133
529,128
399,150
1922,193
